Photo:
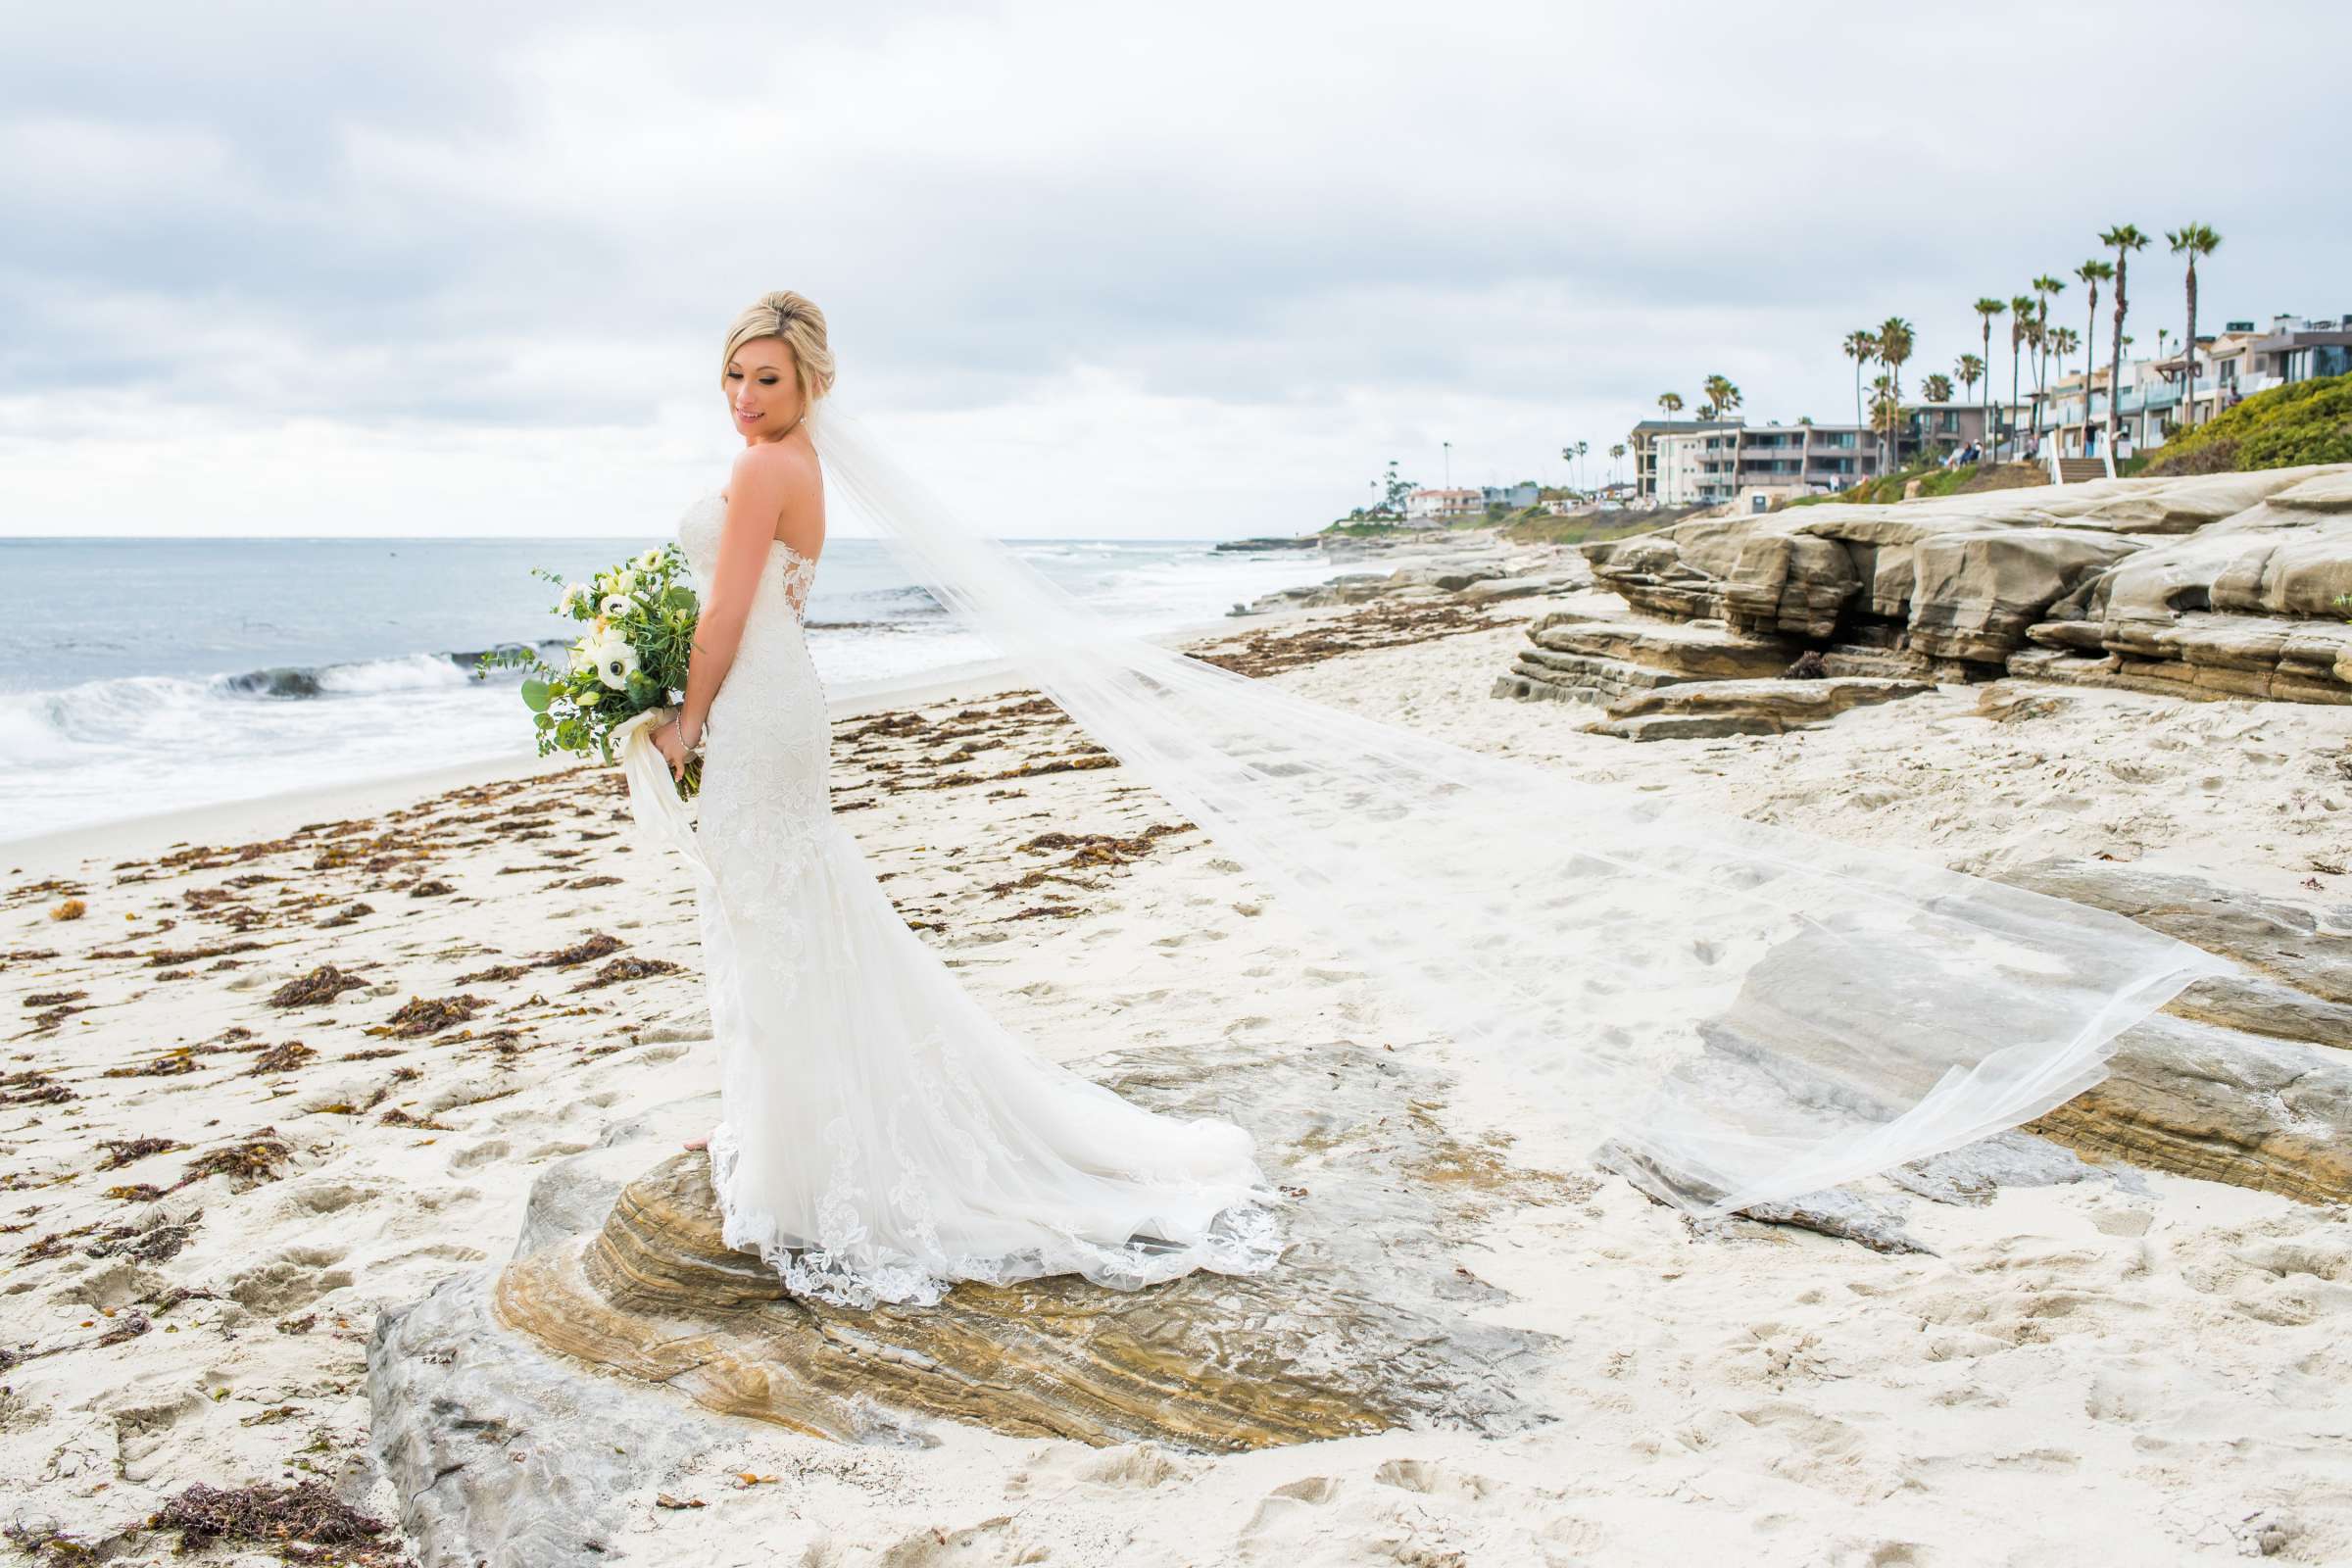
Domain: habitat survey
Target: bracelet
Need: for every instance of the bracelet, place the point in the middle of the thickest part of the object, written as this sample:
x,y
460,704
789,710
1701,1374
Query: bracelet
x,y
679,723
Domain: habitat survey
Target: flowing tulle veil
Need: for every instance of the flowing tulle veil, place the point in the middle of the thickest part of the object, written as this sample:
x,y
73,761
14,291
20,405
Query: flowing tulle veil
x,y
1734,1012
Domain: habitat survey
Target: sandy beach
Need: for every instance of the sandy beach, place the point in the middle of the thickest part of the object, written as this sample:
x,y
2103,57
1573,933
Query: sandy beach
x,y
300,1061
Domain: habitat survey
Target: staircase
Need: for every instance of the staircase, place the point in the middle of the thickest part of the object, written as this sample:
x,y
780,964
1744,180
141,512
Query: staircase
x,y
2079,471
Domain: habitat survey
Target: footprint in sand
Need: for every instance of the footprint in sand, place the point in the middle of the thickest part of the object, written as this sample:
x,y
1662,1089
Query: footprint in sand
x,y
296,1277
1432,1478
1289,1508
1136,1466
481,1154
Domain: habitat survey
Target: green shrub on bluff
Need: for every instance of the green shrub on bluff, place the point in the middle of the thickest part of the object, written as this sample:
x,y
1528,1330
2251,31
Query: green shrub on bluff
x,y
2308,421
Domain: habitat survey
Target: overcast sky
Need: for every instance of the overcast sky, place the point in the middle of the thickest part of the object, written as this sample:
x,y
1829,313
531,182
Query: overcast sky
x,y
435,267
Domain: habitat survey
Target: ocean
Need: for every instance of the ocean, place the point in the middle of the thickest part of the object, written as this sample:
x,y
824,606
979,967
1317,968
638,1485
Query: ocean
x,y
145,675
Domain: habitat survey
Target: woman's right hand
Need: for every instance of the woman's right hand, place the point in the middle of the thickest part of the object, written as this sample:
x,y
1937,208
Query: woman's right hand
x,y
672,745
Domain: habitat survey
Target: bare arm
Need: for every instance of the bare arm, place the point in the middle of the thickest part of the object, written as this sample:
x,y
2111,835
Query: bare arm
x,y
769,483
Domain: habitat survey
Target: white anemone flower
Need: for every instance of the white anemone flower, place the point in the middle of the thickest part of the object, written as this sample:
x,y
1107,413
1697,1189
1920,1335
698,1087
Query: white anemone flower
x,y
614,606
575,596
583,655
624,581
651,560
615,662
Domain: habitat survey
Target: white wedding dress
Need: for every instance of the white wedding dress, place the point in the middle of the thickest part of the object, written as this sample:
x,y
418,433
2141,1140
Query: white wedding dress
x,y
1727,1012
881,1136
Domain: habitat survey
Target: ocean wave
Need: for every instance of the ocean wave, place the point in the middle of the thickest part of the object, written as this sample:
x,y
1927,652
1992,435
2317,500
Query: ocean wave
x,y
134,711
361,677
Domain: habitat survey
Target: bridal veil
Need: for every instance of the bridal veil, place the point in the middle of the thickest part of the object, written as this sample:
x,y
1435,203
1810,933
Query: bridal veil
x,y
1734,1012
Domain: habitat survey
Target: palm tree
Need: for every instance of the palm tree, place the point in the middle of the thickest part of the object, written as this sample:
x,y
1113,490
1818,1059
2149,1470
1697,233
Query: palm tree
x,y
2020,327
1884,405
2063,343
2192,240
1670,403
2124,238
1722,396
1861,347
1895,342
1936,388
1580,457
1986,310
2093,273
1616,456
1970,370
2046,288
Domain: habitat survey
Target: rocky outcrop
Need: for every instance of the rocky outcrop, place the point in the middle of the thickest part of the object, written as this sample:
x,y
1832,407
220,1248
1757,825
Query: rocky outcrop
x,y
2246,1078
1271,545
2218,585
1574,657
1709,710
658,1295
516,1411
1697,679
2222,1105
1476,567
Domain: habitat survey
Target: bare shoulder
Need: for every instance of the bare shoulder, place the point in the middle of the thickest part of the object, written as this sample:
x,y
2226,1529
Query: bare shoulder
x,y
780,468
780,485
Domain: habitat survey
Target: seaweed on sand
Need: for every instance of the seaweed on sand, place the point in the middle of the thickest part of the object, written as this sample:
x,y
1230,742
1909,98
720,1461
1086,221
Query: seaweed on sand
x,y
320,986
309,1514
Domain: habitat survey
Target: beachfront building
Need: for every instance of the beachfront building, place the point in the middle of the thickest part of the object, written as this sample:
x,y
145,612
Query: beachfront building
x,y
1434,508
1644,442
1757,466
2230,366
1513,496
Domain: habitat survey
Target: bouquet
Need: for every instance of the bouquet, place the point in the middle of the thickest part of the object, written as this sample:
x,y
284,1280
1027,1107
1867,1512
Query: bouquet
x,y
627,666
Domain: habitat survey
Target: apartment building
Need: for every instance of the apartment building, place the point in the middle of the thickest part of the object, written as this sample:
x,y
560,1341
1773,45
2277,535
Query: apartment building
x,y
1704,464
2158,395
1434,509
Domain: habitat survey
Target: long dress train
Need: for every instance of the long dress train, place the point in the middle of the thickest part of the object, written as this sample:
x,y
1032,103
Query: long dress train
x,y
881,1136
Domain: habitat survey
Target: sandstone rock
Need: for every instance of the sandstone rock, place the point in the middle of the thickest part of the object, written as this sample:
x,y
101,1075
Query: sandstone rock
x,y
1577,657
1496,590
2286,942
2217,1103
499,1401
1704,709
2222,584
1790,583
2246,1078
1544,675
657,1296
1975,594
2266,658
1701,649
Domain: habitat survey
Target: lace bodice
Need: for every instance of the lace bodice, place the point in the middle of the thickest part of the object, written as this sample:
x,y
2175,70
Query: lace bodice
x,y
699,532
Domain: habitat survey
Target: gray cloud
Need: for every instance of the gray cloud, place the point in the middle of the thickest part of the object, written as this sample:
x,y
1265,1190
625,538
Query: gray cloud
x,y
1348,220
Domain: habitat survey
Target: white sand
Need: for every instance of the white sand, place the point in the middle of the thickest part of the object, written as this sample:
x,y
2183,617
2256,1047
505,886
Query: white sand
x,y
2090,1372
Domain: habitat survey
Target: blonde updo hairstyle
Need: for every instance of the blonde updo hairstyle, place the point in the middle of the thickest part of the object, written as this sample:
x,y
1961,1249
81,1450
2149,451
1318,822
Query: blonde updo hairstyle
x,y
795,319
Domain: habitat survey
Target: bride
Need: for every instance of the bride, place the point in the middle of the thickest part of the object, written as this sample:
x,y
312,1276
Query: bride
x,y
880,1136
1725,1011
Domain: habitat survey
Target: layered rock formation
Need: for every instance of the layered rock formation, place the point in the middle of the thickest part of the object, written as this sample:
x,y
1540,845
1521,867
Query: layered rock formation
x,y
1697,679
1476,566
515,1410
2223,585
2245,1079
657,1295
